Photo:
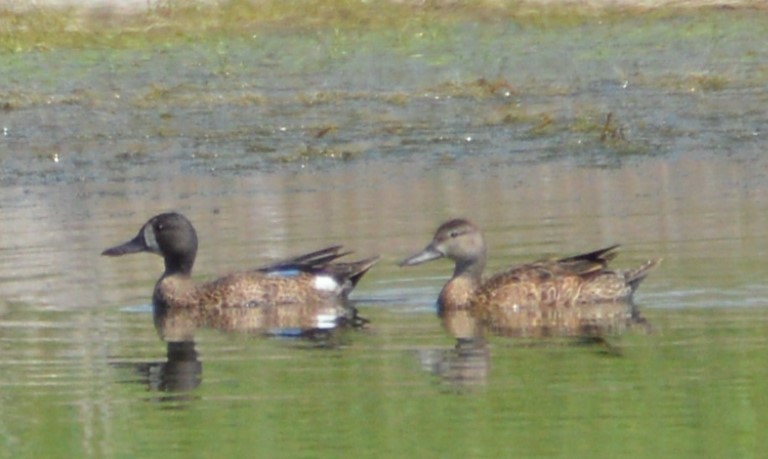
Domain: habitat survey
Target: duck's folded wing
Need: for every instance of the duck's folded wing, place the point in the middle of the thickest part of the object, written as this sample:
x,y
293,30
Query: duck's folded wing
x,y
585,263
308,262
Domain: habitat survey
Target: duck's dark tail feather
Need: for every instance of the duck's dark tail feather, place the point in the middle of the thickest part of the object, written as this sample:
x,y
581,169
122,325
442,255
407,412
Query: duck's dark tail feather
x,y
636,275
349,274
355,270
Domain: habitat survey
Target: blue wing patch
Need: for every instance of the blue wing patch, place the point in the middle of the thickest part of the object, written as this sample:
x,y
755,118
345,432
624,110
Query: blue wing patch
x,y
284,273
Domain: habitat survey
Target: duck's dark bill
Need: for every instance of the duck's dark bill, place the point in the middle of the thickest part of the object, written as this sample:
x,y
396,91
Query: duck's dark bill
x,y
425,255
133,246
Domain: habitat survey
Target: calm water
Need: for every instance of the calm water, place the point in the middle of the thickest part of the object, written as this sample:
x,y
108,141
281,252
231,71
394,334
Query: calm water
x,y
285,144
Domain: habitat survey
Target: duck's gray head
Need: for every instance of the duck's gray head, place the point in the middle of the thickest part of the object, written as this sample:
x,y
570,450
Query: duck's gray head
x,y
459,240
169,235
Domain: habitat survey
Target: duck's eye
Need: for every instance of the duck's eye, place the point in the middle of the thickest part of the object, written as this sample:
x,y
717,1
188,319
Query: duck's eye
x,y
454,234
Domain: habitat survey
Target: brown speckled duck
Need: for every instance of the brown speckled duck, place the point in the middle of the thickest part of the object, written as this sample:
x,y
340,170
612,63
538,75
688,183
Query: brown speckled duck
x,y
301,294
574,296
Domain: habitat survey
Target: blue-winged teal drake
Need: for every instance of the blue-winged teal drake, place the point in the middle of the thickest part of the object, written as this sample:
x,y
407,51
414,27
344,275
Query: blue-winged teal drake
x,y
303,293
572,296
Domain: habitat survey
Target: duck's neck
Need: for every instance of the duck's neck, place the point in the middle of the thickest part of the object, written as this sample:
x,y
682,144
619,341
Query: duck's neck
x,y
178,265
470,270
456,294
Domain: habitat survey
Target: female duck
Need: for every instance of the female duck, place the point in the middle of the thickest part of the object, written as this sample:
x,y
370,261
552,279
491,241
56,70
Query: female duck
x,y
305,293
578,295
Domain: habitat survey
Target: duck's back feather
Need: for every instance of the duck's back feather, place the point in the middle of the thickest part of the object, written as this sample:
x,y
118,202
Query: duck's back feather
x,y
565,296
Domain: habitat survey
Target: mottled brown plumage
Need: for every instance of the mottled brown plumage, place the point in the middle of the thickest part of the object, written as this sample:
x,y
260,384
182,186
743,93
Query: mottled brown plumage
x,y
571,296
304,293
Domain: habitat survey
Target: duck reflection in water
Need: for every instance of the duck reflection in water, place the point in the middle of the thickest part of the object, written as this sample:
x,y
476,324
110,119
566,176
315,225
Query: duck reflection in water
x,y
301,294
576,296
181,372
464,366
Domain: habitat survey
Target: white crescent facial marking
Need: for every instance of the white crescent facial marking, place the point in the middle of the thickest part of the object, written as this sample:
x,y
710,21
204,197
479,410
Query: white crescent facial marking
x,y
326,283
150,239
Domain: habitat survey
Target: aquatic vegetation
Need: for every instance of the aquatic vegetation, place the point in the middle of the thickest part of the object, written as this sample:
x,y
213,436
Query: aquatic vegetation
x,y
190,95
703,81
479,88
311,153
40,28
302,82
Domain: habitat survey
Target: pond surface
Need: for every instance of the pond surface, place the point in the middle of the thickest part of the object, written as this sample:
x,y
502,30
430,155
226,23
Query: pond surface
x,y
648,133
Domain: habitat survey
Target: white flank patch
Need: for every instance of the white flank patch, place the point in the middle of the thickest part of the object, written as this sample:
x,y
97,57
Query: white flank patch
x,y
326,283
326,321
